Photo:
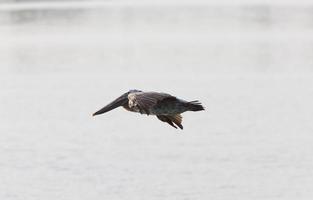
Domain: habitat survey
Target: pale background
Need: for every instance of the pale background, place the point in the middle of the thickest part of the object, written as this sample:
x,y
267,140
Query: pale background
x,y
249,62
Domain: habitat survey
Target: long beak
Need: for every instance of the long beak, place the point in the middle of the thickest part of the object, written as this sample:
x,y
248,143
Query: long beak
x,y
114,104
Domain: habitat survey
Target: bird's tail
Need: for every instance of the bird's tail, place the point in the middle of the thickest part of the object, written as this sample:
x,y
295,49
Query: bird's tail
x,y
194,106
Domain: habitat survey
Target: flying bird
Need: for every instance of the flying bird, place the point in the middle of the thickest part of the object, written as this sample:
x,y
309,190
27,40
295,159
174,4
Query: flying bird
x,y
166,107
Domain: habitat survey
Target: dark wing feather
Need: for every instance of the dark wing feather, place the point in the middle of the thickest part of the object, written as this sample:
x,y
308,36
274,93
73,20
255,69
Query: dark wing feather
x,y
146,100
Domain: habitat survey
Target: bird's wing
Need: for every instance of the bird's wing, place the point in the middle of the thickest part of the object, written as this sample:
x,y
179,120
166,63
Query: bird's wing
x,y
146,100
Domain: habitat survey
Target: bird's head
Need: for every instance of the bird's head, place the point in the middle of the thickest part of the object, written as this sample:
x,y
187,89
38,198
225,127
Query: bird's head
x,y
133,91
120,101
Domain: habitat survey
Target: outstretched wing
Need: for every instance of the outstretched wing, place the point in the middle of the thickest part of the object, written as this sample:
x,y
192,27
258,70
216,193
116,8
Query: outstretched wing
x,y
172,119
144,101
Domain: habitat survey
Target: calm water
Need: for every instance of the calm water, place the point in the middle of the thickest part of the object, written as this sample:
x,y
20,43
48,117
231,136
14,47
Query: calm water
x,y
250,65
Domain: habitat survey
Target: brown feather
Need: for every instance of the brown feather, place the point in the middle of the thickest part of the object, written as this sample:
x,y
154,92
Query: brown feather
x,y
177,119
144,101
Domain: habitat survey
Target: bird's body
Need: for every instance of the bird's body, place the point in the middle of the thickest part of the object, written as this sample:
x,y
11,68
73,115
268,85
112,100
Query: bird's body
x,y
165,106
153,103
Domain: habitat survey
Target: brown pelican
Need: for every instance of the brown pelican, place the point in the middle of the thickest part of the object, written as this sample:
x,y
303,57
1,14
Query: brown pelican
x,y
166,107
